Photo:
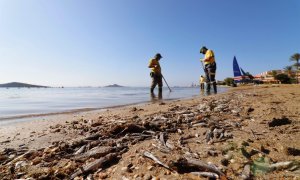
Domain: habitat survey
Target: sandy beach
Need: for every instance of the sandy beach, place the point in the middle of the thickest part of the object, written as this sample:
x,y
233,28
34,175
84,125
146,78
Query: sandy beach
x,y
247,132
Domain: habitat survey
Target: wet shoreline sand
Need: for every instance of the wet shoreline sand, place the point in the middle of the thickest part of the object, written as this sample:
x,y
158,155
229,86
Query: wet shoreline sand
x,y
246,112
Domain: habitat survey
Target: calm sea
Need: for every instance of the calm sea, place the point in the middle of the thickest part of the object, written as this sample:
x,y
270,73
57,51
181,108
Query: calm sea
x,y
16,102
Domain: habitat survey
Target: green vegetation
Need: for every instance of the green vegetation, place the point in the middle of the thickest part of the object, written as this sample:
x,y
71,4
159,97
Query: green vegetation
x,y
289,71
296,57
274,73
283,78
229,81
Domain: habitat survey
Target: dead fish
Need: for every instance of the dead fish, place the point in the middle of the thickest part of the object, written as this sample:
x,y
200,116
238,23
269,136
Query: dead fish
x,y
206,174
93,166
282,165
95,152
151,156
209,135
246,172
80,150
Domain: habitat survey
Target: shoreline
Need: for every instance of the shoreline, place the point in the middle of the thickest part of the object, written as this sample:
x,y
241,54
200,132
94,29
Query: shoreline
x,y
10,128
6,119
246,115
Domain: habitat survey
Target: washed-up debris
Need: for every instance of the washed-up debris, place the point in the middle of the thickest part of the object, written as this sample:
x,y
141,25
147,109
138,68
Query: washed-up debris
x,y
151,156
263,165
181,131
186,164
206,174
253,134
80,150
246,174
95,153
225,162
279,122
162,139
283,165
293,151
93,166
128,128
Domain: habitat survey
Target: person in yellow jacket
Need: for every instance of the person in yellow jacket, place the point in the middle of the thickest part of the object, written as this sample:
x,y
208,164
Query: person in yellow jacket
x,y
202,80
156,74
210,68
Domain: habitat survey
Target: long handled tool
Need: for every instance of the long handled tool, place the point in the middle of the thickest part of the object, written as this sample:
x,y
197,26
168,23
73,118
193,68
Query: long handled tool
x,y
201,60
166,83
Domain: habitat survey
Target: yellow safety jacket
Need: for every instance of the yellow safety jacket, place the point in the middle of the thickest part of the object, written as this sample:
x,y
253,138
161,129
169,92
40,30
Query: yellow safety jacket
x,y
209,57
155,66
202,79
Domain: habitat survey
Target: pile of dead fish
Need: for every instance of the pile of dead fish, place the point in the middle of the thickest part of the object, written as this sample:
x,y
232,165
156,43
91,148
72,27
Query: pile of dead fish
x,y
107,140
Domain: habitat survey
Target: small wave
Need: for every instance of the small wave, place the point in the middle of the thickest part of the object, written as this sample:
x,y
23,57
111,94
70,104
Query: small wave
x,y
133,94
130,94
14,97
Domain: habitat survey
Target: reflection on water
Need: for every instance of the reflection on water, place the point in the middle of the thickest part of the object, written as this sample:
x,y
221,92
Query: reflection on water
x,y
24,101
155,98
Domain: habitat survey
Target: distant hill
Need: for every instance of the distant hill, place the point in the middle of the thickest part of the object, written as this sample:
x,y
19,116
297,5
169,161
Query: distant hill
x,y
20,85
114,85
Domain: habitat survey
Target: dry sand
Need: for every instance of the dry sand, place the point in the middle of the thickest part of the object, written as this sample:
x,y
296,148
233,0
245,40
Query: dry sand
x,y
260,123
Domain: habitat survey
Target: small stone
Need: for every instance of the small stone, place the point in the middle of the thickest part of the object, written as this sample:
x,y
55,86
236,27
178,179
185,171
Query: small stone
x,y
124,168
136,175
150,168
124,178
228,156
102,175
36,161
167,173
212,153
147,177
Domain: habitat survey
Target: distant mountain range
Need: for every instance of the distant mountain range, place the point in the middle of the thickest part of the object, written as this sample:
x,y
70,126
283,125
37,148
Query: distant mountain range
x,y
114,85
20,85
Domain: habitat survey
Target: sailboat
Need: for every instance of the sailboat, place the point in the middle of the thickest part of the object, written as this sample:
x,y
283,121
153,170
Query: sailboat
x,y
239,74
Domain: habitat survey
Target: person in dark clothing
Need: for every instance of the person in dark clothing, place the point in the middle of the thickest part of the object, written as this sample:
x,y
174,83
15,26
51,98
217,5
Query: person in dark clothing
x,y
210,68
156,74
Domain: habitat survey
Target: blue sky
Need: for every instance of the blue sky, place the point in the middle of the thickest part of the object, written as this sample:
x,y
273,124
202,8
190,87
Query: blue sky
x,y
101,42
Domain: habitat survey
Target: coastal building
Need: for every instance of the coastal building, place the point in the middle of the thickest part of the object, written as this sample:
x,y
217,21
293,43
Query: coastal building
x,y
268,76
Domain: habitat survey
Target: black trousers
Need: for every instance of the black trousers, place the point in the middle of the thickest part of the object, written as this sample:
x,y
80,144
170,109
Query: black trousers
x,y
156,80
210,73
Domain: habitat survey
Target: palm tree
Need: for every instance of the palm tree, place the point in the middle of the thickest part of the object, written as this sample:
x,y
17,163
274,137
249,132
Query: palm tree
x,y
288,70
296,57
274,73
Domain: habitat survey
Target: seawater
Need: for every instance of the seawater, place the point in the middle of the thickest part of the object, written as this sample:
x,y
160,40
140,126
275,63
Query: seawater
x,y
16,102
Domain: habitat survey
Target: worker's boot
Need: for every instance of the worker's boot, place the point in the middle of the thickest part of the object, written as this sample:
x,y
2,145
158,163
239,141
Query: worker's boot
x,y
215,87
208,87
160,93
152,90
